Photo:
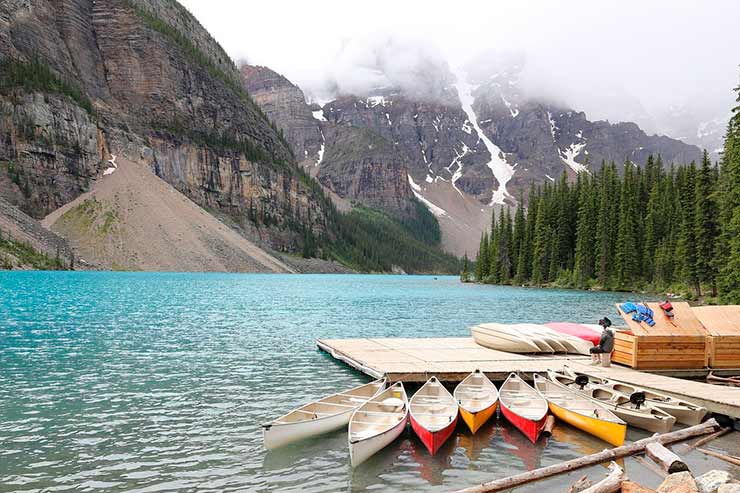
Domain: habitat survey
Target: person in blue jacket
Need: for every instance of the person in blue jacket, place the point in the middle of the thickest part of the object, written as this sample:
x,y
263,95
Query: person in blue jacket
x,y
606,342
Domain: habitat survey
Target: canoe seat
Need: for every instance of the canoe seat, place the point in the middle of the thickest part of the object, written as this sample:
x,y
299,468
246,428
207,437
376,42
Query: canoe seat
x,y
392,402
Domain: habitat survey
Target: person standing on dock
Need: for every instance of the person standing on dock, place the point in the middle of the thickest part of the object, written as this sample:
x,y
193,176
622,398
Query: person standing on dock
x,y
606,342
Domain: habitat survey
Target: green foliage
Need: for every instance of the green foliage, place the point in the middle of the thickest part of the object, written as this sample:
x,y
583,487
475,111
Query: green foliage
x,y
647,229
371,241
422,224
25,255
465,272
727,256
35,76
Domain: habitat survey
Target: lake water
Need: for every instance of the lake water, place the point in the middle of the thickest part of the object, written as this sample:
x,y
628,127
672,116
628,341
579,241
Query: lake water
x,y
158,382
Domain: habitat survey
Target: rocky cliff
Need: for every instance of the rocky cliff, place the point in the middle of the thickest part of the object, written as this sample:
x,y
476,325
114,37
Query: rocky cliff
x,y
143,80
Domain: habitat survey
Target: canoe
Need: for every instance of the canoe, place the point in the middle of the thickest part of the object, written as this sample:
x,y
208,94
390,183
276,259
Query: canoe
x,y
569,343
503,338
576,330
582,413
377,423
523,406
478,398
433,414
645,416
685,412
551,338
318,417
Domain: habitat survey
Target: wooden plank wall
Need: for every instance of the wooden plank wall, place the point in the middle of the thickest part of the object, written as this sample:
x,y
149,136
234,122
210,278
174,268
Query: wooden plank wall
x,y
722,323
672,343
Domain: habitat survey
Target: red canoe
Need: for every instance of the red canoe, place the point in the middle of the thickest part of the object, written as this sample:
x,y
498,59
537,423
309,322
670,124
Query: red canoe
x,y
577,330
523,406
433,414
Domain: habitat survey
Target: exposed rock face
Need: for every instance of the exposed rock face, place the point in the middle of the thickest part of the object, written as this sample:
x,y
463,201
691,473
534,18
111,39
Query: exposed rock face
x,y
363,166
543,139
50,150
18,226
165,93
429,135
285,104
352,161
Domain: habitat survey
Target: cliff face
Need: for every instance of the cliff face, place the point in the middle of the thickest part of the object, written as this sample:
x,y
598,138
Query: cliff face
x,y
161,92
352,161
285,104
543,139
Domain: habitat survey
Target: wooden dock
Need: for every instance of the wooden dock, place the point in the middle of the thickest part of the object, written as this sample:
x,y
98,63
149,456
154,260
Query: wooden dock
x,y
451,359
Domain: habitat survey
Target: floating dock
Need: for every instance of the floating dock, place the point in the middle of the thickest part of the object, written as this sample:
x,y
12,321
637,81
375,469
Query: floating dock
x,y
452,359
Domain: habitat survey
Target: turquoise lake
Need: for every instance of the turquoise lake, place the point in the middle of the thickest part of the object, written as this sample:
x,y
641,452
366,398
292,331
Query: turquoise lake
x,y
159,382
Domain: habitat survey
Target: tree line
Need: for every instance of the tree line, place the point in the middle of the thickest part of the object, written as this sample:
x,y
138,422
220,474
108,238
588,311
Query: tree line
x,y
659,228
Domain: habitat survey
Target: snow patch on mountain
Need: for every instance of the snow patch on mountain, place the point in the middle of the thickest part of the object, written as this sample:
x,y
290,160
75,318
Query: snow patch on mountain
x,y
569,157
514,111
319,115
434,209
321,149
373,101
458,160
501,170
553,127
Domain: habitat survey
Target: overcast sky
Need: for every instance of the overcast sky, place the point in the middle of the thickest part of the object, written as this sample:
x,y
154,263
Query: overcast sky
x,y
601,56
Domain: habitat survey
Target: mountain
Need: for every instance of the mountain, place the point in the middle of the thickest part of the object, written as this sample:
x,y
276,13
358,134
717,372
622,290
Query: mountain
x,y
86,84
467,142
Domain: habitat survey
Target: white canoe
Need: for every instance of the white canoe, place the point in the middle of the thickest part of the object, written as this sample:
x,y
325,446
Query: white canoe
x,y
568,343
377,423
551,337
685,412
503,338
318,417
646,416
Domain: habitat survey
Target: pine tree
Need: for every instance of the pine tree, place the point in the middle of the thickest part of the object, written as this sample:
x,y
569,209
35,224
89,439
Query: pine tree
x,y
517,240
465,273
729,253
687,237
626,249
541,247
706,228
585,234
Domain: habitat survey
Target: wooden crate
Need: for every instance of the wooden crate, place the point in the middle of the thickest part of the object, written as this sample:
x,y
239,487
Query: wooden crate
x,y
672,343
648,352
722,323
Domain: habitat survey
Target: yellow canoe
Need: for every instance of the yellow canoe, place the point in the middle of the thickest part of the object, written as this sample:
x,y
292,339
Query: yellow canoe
x,y
477,399
581,412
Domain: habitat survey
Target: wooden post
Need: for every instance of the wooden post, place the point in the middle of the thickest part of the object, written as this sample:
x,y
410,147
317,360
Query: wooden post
x,y
611,484
708,439
549,425
666,459
727,458
603,456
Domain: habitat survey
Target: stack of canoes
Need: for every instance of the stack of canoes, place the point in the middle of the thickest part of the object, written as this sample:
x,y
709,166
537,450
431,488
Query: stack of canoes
x,y
581,412
376,415
530,338
685,412
635,411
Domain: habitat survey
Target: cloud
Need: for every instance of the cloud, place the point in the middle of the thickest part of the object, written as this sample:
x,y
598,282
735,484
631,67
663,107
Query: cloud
x,y
612,59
